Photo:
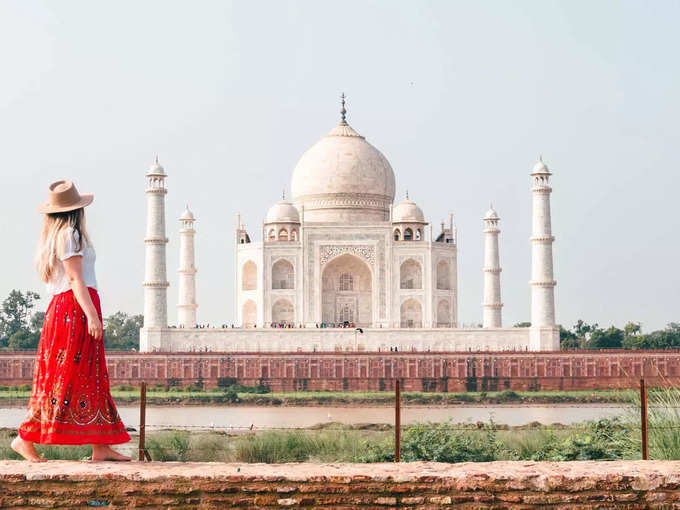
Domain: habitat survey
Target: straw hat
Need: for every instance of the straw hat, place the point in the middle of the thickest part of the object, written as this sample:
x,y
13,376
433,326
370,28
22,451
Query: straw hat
x,y
63,196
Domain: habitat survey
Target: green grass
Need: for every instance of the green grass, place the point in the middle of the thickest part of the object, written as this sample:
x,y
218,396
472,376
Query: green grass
x,y
663,422
225,396
334,442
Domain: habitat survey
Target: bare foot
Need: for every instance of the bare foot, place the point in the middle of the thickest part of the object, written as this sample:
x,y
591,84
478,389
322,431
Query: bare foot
x,y
26,450
103,452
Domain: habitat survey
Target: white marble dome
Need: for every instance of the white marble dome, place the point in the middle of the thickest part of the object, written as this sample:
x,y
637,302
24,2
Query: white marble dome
x,y
156,168
342,177
540,167
187,214
282,212
491,214
408,212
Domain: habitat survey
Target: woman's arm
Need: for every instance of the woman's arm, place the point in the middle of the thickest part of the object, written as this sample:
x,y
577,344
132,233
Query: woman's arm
x,y
73,267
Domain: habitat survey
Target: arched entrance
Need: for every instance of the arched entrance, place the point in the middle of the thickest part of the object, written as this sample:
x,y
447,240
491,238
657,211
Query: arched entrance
x,y
249,278
283,275
443,314
249,314
411,314
346,292
283,312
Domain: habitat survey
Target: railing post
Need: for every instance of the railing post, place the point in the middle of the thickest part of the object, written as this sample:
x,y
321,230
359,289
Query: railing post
x,y
143,454
397,421
643,418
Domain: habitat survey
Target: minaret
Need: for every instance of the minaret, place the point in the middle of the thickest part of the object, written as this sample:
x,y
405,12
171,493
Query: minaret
x,y
492,272
542,282
155,275
186,306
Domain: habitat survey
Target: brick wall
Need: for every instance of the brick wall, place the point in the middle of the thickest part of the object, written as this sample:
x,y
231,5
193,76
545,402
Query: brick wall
x,y
418,485
421,371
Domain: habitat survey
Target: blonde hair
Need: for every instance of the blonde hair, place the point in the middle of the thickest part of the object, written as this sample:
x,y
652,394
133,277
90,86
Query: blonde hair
x,y
53,237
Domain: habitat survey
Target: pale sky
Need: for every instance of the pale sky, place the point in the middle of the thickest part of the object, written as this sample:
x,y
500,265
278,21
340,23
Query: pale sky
x,y
461,97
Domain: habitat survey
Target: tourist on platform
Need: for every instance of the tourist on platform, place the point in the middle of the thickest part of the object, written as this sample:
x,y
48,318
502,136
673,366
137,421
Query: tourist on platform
x,y
70,400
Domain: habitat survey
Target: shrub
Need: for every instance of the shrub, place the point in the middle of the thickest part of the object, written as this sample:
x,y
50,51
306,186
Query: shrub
x,y
124,387
509,395
605,439
169,445
230,395
225,382
438,442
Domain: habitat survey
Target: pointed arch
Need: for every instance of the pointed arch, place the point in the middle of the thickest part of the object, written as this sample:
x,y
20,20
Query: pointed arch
x,y
347,291
443,314
249,314
283,275
249,276
283,312
443,275
410,275
411,314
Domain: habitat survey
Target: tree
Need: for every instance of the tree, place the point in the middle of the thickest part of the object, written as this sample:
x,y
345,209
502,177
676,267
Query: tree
x,y
23,340
121,332
583,329
569,340
611,338
522,325
15,313
632,329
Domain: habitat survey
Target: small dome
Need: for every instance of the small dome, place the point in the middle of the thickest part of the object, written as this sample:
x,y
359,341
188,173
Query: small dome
x,y
540,167
156,168
283,212
491,214
187,214
407,212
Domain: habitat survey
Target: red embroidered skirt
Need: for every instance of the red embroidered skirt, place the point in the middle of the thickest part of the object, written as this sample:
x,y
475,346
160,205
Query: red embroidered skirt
x,y
71,402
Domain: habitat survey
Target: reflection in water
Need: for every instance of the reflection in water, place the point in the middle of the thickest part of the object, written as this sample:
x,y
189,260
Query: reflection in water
x,y
268,417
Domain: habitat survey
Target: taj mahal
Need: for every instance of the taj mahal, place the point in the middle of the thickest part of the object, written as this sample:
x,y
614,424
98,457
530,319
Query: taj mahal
x,y
340,266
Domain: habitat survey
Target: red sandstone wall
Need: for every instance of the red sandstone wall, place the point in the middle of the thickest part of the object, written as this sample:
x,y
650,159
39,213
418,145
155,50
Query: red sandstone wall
x,y
421,371
418,485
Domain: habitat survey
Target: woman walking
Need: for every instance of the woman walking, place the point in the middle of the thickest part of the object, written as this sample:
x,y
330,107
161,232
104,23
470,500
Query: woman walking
x,y
70,401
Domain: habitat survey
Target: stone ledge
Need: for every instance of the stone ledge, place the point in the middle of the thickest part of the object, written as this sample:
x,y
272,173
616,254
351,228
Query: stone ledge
x,y
418,485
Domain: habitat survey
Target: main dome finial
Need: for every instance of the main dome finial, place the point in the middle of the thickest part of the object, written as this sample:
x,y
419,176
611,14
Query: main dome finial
x,y
343,112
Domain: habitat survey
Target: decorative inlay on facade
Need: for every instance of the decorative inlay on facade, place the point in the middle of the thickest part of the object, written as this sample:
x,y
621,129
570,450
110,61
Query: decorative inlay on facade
x,y
365,252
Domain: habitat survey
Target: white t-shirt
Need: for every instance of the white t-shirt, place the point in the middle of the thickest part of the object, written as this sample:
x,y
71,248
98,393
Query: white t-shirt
x,y
59,281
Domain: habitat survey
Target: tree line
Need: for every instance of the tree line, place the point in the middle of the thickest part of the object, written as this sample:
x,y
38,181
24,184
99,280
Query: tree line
x,y
20,325
591,336
20,329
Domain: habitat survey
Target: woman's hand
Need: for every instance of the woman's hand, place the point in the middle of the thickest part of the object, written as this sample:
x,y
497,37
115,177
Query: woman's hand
x,y
94,327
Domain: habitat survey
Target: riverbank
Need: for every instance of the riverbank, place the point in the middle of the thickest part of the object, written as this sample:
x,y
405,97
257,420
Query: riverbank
x,y
606,439
229,397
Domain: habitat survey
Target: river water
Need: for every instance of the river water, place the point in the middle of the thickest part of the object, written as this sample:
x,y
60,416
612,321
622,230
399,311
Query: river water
x,y
290,417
